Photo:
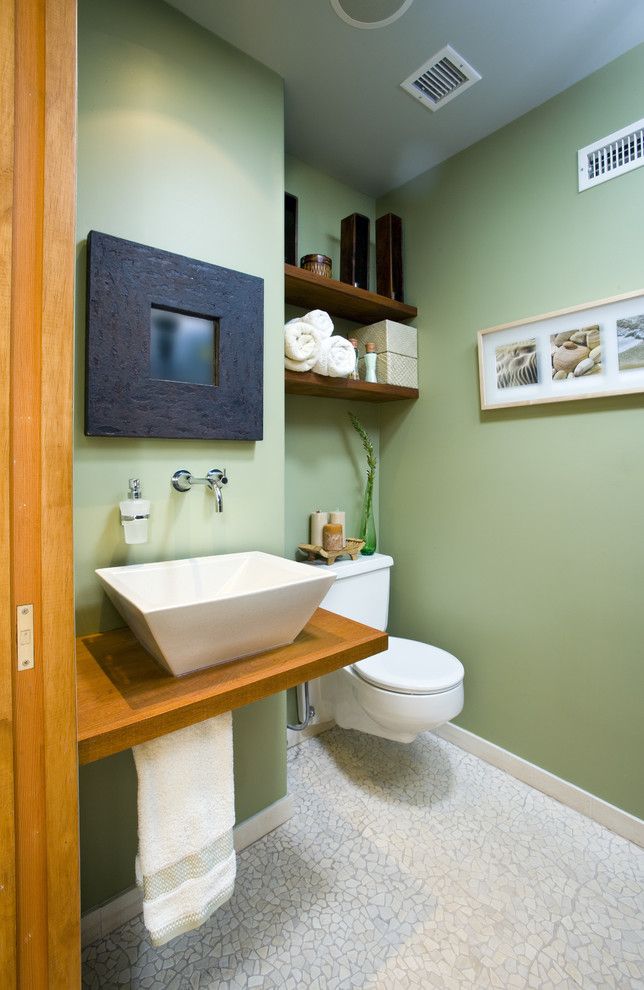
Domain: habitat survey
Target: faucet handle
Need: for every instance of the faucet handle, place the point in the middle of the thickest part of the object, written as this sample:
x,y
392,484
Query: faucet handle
x,y
182,480
217,477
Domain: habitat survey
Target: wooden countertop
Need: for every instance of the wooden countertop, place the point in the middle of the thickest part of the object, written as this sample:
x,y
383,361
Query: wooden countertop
x,y
125,697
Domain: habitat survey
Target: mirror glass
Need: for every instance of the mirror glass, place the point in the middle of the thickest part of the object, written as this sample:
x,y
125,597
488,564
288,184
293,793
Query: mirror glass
x,y
183,347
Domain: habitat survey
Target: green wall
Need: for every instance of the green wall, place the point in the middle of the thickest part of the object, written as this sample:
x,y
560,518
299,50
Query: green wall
x,y
518,534
325,465
180,147
323,202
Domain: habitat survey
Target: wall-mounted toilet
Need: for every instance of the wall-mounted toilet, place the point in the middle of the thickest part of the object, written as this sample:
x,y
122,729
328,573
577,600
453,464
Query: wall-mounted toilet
x,y
410,688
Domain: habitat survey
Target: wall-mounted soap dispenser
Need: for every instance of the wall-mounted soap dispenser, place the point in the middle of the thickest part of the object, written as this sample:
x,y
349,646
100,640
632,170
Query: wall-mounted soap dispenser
x,y
135,513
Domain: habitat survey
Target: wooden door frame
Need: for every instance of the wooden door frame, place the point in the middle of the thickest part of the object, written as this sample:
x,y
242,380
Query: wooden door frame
x,y
7,835
39,898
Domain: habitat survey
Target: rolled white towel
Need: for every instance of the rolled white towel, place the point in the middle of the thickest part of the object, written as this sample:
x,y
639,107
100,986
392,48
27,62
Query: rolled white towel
x,y
300,365
320,321
300,341
337,358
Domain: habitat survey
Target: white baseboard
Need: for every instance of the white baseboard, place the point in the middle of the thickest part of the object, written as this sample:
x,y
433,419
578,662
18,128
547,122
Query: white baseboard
x,y
624,824
259,825
104,919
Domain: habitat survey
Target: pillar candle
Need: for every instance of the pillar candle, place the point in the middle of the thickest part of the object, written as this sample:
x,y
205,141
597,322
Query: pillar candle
x,y
317,523
332,538
338,518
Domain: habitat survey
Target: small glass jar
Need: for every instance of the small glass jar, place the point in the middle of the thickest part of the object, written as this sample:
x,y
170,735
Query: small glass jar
x,y
354,376
318,264
370,360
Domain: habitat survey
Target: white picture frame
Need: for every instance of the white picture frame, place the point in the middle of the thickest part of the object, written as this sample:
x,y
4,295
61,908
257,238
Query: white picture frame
x,y
529,362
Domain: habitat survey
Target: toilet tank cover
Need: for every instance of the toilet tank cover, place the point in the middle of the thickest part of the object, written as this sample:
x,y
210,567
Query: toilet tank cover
x,y
409,667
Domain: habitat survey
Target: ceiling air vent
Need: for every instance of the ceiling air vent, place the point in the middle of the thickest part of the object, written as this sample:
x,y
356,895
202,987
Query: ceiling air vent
x,y
610,156
439,80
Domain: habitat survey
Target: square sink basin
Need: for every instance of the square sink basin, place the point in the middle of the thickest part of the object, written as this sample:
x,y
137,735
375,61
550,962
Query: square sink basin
x,y
202,611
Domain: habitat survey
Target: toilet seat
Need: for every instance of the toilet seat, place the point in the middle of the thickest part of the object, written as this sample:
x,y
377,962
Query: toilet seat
x,y
410,667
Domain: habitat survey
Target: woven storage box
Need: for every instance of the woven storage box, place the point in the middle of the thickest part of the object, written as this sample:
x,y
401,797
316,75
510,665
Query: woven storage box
x,y
388,336
394,369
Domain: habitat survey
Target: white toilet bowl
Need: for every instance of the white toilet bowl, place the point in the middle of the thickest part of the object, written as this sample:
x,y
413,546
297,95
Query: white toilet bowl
x,y
412,687
379,696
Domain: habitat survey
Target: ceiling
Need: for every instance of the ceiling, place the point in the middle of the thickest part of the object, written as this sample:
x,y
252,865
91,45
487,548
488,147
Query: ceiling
x,y
345,110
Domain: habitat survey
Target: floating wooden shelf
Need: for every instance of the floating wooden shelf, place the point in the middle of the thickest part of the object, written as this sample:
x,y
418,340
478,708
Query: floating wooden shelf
x,y
125,698
310,291
306,383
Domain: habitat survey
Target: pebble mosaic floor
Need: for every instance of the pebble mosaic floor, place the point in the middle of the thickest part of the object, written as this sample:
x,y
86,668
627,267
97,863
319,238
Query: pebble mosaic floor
x,y
404,867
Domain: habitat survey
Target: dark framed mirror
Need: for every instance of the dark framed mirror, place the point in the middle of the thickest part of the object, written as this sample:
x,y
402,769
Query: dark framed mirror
x,y
174,345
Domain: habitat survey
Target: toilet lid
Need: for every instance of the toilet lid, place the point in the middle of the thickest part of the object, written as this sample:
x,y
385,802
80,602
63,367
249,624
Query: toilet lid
x,y
409,667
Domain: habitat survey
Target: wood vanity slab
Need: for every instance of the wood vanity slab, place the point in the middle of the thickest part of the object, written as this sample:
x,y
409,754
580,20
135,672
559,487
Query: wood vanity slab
x,y
125,697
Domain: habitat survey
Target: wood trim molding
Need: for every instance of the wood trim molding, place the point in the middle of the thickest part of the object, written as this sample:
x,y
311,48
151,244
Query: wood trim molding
x,y
56,491
47,938
26,304
7,836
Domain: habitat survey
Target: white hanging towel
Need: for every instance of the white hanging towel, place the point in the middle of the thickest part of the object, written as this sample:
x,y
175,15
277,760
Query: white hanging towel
x,y
186,863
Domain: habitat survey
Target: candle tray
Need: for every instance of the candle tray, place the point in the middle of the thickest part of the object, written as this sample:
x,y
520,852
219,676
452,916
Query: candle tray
x,y
351,549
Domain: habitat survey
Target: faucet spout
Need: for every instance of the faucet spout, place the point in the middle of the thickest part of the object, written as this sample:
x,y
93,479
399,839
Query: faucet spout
x,y
216,479
219,498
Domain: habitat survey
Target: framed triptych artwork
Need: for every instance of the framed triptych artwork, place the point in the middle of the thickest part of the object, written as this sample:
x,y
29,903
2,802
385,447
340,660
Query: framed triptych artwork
x,y
583,352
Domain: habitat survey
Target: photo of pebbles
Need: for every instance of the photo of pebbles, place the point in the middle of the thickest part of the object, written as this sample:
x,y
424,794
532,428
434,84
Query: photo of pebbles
x,y
516,364
576,353
630,343
602,343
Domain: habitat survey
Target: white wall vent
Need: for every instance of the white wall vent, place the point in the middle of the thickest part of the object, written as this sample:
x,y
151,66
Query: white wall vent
x,y
611,156
440,79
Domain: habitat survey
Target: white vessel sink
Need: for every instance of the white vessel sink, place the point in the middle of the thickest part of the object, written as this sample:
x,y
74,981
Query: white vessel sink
x,y
202,611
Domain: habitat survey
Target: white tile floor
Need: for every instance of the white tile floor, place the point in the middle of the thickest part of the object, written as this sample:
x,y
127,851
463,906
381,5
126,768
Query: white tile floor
x,y
408,866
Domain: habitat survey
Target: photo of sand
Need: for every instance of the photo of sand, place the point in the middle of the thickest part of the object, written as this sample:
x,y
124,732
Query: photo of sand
x,y
576,353
516,364
630,343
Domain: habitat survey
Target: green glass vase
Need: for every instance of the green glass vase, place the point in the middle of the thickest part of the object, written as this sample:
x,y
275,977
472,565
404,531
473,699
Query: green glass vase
x,y
368,523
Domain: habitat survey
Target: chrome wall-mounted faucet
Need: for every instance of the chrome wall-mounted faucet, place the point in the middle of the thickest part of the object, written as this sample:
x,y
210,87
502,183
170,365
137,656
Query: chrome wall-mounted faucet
x,y
183,480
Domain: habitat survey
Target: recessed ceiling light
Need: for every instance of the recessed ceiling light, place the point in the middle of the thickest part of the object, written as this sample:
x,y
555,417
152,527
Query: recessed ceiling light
x,y
370,13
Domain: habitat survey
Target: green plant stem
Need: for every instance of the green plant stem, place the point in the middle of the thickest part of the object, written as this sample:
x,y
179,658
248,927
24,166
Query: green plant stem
x,y
371,464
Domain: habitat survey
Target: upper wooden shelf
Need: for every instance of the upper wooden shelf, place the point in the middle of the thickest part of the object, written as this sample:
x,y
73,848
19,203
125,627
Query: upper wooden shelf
x,y
310,291
307,383
125,698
